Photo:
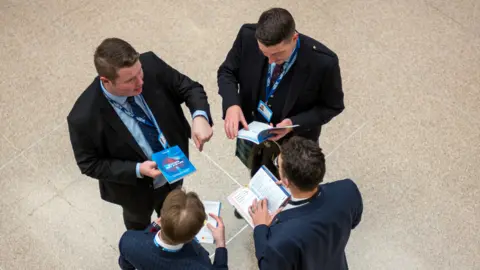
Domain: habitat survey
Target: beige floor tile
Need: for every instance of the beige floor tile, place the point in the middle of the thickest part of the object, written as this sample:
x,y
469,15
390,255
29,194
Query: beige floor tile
x,y
241,251
20,181
102,217
7,151
55,227
465,12
53,156
408,210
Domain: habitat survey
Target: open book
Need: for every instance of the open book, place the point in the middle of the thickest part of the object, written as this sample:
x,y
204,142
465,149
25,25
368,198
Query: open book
x,y
262,185
205,235
173,164
259,132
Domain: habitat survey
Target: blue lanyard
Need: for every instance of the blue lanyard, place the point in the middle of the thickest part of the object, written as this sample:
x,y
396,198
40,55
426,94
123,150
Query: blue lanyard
x,y
288,65
161,137
129,113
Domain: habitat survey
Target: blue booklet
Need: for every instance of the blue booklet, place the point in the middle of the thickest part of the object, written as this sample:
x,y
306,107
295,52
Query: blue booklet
x,y
173,164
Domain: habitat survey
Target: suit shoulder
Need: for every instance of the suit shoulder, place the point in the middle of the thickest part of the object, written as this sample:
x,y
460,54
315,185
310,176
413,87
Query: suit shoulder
x,y
147,57
84,102
345,186
248,29
318,48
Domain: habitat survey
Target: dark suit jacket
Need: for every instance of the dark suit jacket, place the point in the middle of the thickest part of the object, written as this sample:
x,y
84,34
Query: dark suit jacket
x,y
104,148
138,251
312,236
315,95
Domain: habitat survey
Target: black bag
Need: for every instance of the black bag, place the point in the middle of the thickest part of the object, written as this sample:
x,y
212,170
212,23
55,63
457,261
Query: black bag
x,y
254,156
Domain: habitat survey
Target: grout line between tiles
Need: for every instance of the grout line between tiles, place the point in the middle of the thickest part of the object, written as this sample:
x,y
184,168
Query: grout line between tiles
x,y
233,237
344,141
11,144
219,167
20,154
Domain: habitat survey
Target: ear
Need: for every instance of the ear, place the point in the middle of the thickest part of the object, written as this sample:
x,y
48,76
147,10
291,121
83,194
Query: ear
x,y
295,36
285,183
105,81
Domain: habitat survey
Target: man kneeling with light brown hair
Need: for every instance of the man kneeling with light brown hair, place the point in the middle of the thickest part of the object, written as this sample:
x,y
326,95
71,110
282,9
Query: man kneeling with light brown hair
x,y
169,242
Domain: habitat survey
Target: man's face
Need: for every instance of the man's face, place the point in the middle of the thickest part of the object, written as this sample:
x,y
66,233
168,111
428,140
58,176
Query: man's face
x,y
279,53
129,81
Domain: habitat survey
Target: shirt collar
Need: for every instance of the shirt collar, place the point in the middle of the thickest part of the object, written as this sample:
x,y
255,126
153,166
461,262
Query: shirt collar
x,y
119,99
166,247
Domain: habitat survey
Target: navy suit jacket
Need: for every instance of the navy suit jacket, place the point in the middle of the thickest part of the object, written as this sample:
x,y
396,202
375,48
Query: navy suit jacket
x,y
312,236
138,251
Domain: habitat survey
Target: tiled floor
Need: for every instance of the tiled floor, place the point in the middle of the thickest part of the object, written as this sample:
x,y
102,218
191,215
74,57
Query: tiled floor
x,y
410,135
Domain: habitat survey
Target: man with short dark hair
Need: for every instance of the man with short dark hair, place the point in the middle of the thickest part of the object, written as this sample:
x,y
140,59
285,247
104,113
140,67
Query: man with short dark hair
x,y
312,230
275,75
131,110
169,242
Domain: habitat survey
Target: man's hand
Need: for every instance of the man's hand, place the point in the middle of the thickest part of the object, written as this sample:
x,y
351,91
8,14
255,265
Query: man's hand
x,y
201,131
218,233
149,168
281,133
233,116
259,213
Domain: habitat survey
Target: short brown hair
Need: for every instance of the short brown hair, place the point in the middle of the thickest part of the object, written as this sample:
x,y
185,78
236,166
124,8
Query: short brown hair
x,y
113,54
275,26
183,215
303,163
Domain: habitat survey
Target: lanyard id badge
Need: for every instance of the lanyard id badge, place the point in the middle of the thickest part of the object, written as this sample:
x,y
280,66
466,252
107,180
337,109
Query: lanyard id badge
x,y
270,89
265,111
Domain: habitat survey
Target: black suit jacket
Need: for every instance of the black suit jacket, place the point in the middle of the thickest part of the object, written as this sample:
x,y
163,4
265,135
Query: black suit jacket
x,y
315,95
105,149
312,236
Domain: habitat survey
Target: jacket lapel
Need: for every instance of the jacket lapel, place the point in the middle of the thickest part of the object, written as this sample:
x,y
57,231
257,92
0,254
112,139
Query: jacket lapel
x,y
301,72
111,117
258,63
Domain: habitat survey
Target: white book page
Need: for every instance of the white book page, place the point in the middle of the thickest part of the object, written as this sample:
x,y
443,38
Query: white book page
x,y
205,235
264,187
254,128
242,199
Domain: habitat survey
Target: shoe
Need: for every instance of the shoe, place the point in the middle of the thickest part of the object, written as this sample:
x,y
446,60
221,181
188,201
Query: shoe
x,y
237,215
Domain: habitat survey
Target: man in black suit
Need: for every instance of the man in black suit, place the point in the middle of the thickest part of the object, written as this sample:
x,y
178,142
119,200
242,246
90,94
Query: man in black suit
x,y
271,66
131,110
312,230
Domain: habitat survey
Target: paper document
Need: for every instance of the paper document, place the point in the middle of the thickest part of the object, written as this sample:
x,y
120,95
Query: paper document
x,y
262,185
205,235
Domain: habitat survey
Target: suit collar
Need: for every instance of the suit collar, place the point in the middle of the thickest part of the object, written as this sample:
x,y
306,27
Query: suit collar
x,y
298,212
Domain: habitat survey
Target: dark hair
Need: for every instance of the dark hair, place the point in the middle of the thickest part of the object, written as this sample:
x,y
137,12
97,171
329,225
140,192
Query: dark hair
x,y
303,163
113,54
183,215
274,26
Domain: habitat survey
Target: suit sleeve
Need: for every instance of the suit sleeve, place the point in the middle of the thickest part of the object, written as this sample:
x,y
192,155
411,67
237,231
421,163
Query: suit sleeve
x,y
220,260
227,75
357,211
182,87
330,101
122,260
91,164
268,257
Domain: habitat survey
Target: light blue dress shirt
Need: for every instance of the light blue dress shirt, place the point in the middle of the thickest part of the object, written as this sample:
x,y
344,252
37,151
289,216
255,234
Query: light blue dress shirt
x,y
134,128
